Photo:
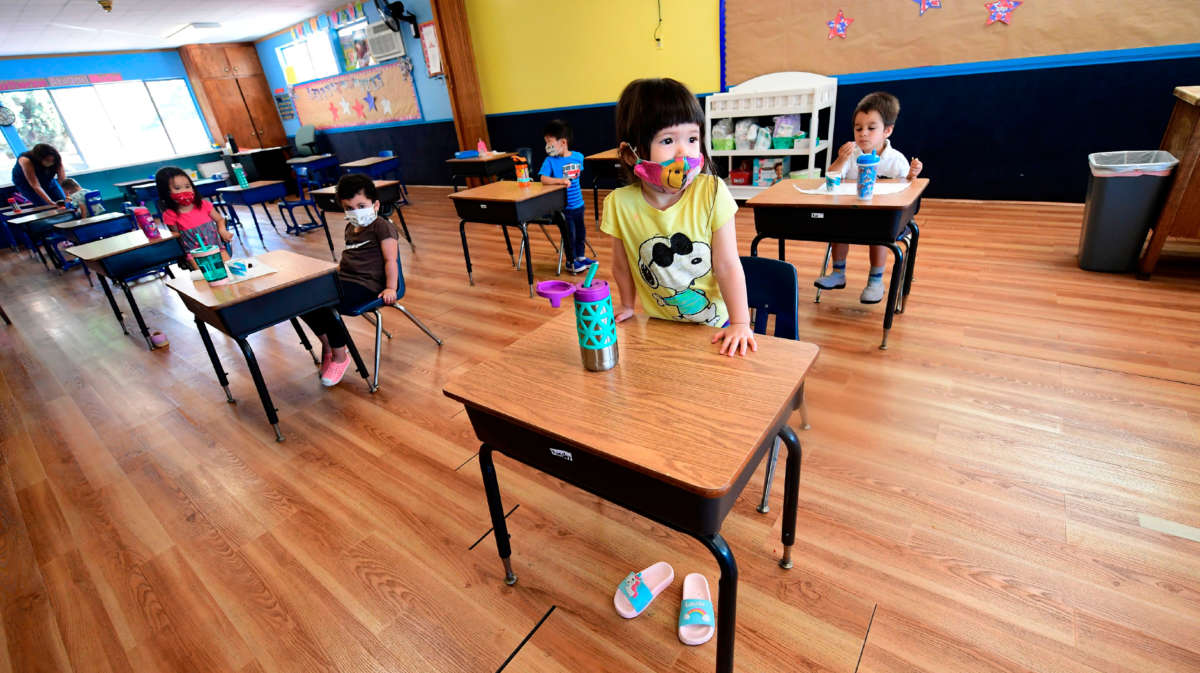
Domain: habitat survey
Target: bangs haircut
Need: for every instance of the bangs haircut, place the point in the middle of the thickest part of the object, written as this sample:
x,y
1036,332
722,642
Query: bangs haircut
x,y
648,106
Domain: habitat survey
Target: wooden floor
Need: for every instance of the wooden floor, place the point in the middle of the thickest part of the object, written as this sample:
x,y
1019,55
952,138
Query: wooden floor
x,y
1013,486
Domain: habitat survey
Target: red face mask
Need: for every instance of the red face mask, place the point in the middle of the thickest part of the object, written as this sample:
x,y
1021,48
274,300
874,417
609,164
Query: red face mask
x,y
183,198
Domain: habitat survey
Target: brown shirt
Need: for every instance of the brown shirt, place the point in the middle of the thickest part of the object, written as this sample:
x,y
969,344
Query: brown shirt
x,y
362,259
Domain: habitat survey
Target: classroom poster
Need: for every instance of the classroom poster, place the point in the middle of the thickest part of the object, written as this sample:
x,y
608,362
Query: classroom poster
x,y
377,95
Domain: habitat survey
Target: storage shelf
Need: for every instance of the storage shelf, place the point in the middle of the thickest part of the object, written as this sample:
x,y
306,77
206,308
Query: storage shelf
x,y
764,112
824,144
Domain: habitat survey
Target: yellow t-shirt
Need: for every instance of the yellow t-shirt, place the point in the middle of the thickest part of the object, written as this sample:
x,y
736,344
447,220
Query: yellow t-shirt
x,y
670,251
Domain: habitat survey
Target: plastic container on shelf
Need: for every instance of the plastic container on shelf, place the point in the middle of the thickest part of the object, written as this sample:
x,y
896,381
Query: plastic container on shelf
x,y
722,144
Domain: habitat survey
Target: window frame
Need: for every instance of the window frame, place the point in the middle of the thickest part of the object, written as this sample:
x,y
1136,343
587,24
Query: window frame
x,y
327,36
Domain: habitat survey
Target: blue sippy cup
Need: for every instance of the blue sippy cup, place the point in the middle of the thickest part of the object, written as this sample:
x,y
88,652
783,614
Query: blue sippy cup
x,y
868,169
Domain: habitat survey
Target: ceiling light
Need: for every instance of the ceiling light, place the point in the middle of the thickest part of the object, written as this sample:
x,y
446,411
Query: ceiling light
x,y
192,30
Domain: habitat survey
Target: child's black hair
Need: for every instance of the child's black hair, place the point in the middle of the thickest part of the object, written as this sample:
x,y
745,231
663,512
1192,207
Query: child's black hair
x,y
648,106
559,129
887,105
162,180
353,183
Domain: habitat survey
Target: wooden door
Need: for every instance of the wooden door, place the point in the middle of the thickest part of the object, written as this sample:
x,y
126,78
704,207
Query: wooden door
x,y
243,59
263,113
229,108
206,61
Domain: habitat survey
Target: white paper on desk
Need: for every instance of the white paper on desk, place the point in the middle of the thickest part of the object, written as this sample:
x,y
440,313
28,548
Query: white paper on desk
x,y
851,188
258,269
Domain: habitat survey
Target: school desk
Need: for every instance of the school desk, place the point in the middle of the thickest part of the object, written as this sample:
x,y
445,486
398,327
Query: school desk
x,y
268,163
317,166
509,204
126,188
535,403
389,193
125,257
38,226
377,168
8,214
488,166
94,228
146,193
261,191
605,165
782,212
298,285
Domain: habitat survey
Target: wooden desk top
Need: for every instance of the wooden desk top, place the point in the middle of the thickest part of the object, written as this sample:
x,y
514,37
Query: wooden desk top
x,y
672,409
368,161
506,190
290,268
782,193
606,155
28,210
256,150
253,185
102,217
46,214
310,158
128,183
1188,94
107,247
476,160
331,190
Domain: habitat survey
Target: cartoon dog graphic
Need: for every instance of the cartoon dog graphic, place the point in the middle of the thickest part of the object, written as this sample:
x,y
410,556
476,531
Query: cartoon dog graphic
x,y
675,264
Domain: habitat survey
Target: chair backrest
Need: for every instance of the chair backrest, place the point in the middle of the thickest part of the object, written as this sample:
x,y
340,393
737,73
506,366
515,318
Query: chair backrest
x,y
386,153
306,140
93,201
527,153
771,289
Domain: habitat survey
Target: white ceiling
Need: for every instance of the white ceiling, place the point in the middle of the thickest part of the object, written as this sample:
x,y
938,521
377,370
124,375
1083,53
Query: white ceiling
x,y
45,26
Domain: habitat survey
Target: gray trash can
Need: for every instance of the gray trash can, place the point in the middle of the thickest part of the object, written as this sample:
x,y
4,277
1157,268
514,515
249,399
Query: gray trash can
x,y
1125,193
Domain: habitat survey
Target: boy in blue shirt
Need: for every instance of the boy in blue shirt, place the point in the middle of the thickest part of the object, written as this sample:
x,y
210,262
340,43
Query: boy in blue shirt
x,y
563,167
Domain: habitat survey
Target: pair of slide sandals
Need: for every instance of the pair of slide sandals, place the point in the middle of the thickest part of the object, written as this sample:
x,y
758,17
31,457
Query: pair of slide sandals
x,y
638,589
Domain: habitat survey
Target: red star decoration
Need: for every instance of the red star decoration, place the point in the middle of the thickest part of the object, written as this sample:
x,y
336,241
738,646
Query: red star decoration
x,y
1001,10
334,111
839,25
358,109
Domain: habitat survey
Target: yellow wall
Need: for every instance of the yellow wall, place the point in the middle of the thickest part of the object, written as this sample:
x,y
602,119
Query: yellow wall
x,y
537,54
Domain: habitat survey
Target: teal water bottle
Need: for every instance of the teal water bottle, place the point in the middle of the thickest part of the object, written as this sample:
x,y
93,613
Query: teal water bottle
x,y
595,322
239,174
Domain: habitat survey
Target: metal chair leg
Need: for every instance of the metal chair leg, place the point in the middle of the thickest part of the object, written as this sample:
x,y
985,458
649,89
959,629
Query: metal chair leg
x,y
763,507
368,318
378,349
824,266
418,323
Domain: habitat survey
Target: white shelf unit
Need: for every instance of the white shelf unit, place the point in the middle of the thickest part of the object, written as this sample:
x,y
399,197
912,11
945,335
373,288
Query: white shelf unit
x,y
778,93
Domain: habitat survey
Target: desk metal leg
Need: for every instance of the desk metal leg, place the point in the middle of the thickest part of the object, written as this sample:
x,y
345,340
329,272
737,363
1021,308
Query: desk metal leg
x,y
113,303
358,361
824,268
462,231
137,315
257,228
791,493
528,256
261,385
912,257
4,316
893,287
754,245
304,341
596,198
781,250
727,600
508,245
270,220
328,236
404,226
496,509
772,458
216,362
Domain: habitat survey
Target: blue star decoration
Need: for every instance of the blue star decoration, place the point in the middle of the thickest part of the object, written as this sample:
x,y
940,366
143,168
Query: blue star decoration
x,y
370,101
928,4
839,25
1001,10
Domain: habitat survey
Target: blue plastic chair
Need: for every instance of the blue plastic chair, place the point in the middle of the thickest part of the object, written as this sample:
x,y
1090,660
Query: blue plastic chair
x,y
772,290
304,202
94,202
399,175
373,307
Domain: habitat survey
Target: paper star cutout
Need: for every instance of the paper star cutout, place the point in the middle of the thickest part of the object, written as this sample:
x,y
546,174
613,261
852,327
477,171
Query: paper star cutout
x,y
370,101
345,107
358,108
928,4
1001,10
839,25
387,106
333,111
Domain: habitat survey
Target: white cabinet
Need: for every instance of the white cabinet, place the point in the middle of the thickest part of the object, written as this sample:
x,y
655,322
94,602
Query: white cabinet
x,y
766,96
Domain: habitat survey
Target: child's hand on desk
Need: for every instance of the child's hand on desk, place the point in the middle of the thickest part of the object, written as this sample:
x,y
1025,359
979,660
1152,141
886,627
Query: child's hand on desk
x,y
388,296
914,168
624,313
845,151
735,338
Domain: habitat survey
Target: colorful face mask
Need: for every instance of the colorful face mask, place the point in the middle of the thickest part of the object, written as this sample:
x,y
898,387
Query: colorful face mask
x,y
361,217
669,176
183,198
551,149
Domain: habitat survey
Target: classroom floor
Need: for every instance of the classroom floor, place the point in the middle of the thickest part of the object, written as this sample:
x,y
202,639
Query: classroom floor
x,y
1013,486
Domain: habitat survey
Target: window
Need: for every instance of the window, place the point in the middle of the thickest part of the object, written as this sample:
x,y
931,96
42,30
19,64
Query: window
x,y
38,121
308,58
110,124
356,51
7,159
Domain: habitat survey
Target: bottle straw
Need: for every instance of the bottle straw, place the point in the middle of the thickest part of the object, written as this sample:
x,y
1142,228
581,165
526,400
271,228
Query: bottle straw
x,y
587,282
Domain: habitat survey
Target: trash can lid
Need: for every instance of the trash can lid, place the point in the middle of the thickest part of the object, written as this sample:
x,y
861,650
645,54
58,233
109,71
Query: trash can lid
x,y
1131,163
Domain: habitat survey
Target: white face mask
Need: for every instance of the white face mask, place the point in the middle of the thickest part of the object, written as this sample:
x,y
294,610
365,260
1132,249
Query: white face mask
x,y
361,217
551,149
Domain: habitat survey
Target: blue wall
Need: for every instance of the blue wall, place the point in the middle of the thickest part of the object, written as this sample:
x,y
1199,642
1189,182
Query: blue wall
x,y
431,93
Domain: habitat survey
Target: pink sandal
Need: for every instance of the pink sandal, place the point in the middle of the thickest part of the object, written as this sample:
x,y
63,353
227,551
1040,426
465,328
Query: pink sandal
x,y
696,623
635,592
332,374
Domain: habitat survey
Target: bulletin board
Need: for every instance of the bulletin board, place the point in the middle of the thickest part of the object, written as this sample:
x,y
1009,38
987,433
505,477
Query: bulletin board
x,y
763,36
375,95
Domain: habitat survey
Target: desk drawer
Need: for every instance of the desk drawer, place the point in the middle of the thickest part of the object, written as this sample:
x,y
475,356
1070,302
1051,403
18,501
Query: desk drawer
x,y
274,307
490,212
838,225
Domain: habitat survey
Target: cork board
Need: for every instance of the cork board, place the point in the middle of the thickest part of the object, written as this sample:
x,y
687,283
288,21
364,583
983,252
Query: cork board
x,y
763,36
376,95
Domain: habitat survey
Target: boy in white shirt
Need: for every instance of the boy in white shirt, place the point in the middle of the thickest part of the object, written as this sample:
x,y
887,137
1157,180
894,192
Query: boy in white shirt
x,y
874,120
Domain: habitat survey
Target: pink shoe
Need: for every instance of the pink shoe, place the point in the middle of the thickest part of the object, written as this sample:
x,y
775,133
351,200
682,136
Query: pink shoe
x,y
332,373
326,357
